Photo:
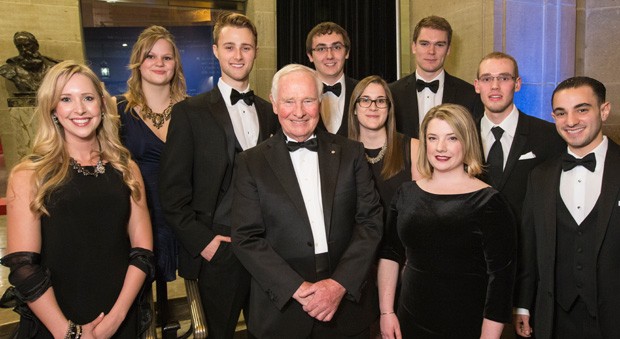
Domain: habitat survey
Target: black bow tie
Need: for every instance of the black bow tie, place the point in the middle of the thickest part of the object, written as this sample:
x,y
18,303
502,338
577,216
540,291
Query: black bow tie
x,y
421,84
569,162
336,89
310,145
247,97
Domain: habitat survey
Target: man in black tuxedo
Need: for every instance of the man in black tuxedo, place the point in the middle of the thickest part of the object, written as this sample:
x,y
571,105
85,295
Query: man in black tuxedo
x,y
570,266
206,132
306,222
524,141
430,85
328,46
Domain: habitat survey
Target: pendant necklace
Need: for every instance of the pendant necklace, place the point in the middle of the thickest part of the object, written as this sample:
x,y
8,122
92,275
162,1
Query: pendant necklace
x,y
158,119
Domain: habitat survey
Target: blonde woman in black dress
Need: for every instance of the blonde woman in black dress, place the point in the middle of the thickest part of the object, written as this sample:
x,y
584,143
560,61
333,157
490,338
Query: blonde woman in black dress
x,y
78,229
455,236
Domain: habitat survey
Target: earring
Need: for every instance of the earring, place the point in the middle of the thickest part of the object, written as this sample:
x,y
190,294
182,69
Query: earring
x,y
55,120
102,114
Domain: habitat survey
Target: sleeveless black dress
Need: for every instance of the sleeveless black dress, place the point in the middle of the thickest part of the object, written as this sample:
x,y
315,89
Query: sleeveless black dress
x,y
86,247
459,254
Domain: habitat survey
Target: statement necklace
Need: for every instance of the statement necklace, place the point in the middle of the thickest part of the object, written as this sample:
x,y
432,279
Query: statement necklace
x,y
158,119
99,168
379,156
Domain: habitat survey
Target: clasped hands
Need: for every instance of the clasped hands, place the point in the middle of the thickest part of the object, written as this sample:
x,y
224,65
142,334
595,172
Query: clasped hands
x,y
320,299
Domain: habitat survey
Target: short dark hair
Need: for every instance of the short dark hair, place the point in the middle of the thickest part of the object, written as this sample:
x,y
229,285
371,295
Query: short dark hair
x,y
234,20
597,87
500,55
327,27
434,22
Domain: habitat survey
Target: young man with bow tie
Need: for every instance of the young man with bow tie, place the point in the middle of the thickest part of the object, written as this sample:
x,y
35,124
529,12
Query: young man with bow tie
x,y
430,85
570,235
205,134
327,47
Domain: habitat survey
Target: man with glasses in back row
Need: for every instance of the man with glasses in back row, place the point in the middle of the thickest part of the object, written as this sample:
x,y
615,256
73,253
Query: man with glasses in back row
x,y
328,46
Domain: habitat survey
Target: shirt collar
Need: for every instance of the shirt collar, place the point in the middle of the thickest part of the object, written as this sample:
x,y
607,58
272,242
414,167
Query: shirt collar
x,y
441,77
509,124
226,89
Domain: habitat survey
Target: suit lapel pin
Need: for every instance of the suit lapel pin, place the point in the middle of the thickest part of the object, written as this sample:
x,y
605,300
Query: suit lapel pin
x,y
333,152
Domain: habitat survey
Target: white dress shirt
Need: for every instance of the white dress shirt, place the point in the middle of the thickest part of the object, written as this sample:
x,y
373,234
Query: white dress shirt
x,y
426,98
509,125
243,117
580,188
306,165
332,108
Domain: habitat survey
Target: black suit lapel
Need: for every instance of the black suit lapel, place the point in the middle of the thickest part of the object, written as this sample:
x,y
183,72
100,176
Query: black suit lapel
x,y
412,114
608,199
329,163
279,160
550,194
220,113
516,149
449,89
265,114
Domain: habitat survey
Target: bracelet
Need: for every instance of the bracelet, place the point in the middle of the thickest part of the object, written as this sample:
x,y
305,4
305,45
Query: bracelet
x,y
74,331
386,313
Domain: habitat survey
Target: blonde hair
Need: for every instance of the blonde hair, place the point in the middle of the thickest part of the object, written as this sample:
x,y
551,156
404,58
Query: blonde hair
x,y
463,126
49,158
147,39
394,161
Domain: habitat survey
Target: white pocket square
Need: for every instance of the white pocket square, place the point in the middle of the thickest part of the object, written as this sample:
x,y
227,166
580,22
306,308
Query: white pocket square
x,y
528,155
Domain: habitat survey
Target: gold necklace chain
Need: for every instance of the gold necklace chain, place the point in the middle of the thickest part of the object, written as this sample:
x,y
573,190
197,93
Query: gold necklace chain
x,y
158,119
379,156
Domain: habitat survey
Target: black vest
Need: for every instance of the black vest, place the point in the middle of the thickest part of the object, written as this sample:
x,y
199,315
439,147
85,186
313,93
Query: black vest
x,y
575,264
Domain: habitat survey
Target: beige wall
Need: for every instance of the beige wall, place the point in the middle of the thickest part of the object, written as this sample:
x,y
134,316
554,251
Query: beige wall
x,y
263,14
472,37
598,50
56,25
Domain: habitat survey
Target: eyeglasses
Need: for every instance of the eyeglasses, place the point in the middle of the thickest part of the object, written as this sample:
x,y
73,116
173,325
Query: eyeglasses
x,y
335,48
502,78
366,102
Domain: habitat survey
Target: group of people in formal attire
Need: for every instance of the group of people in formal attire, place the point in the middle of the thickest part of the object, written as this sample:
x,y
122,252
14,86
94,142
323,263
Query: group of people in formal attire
x,y
425,208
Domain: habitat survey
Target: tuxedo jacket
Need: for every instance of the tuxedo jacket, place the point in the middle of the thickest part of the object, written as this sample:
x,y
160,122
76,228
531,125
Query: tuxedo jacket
x,y
536,274
534,142
196,171
405,95
273,239
349,85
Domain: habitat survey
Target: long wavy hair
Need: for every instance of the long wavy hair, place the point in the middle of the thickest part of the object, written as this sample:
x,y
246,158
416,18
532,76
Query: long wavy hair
x,y
49,158
142,47
464,127
394,161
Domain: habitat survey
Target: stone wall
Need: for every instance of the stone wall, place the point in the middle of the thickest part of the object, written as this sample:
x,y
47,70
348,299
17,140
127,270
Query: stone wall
x,y
56,25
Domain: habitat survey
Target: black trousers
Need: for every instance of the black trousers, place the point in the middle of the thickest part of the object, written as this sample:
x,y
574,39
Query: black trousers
x,y
224,286
576,323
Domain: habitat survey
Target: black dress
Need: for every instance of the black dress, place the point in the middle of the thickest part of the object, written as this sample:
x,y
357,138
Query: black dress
x,y
86,247
146,149
460,260
387,188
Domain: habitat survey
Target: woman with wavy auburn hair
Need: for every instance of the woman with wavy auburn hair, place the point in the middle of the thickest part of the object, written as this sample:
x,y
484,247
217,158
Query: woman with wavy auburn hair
x,y
79,236
455,236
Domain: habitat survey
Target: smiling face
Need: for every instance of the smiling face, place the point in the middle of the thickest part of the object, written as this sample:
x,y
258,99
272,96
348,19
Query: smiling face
x,y
579,118
496,95
329,55
159,64
372,118
430,50
79,109
297,104
236,51
444,150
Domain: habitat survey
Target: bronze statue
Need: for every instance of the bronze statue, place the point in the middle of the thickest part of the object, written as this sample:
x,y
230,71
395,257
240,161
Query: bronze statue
x,y
28,68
